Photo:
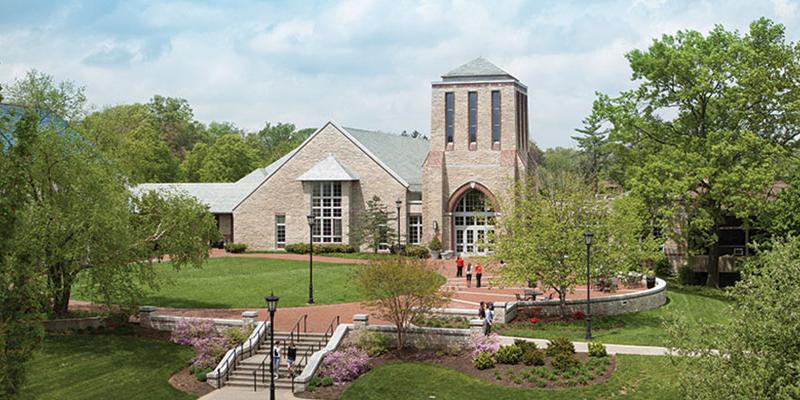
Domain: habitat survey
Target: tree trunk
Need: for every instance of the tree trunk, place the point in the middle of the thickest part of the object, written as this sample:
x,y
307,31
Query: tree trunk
x,y
713,260
60,289
400,338
562,301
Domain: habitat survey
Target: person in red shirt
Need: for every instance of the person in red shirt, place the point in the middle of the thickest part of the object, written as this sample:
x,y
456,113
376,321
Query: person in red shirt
x,y
459,267
478,275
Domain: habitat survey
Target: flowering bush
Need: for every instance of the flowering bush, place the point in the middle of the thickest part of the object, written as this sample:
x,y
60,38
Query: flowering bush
x,y
188,330
208,344
485,344
578,315
345,365
533,320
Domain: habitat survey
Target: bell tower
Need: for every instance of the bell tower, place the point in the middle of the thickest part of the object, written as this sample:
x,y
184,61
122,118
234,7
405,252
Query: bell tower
x,y
478,149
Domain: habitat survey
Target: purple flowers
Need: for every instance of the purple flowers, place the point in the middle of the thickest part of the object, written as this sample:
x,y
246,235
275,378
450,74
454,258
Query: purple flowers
x,y
209,345
485,344
345,365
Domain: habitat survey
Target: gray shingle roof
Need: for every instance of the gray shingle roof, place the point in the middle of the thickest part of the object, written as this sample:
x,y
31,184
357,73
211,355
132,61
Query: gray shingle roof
x,y
329,169
403,154
477,68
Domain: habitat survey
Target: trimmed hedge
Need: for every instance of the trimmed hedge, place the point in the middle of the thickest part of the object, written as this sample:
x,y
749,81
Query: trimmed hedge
x,y
414,250
302,248
560,345
508,355
235,247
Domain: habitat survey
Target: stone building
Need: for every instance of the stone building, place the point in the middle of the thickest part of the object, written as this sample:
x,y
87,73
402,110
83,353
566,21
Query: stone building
x,y
446,186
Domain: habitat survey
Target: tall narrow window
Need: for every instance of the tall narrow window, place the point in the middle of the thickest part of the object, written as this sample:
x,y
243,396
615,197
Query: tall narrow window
x,y
473,117
495,116
326,205
280,231
449,101
414,229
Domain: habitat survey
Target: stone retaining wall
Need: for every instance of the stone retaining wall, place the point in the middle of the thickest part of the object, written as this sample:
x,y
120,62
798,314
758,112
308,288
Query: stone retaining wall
x,y
73,324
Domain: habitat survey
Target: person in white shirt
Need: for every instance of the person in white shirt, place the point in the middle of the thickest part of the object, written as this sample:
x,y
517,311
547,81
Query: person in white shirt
x,y
276,361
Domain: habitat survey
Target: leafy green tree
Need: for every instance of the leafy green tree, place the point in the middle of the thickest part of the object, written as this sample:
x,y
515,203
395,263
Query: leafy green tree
x,y
561,159
191,165
229,159
401,289
705,134
128,134
754,354
216,130
592,143
541,234
39,91
174,120
21,284
275,141
372,226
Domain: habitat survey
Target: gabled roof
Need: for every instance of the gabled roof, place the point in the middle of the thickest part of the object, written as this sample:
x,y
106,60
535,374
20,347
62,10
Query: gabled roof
x,y
479,68
400,156
329,169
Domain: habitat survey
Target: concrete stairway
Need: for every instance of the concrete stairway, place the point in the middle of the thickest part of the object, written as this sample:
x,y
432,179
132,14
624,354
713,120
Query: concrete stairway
x,y
242,376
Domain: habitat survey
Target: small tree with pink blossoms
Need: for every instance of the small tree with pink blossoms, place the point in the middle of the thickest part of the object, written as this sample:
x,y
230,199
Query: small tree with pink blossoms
x,y
345,365
485,344
208,344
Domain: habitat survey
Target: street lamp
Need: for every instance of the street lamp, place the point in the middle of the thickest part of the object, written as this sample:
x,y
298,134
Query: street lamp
x,y
272,304
588,237
311,221
398,203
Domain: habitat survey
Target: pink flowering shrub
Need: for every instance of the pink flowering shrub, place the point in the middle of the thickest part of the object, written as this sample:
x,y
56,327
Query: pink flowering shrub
x,y
485,344
208,344
345,365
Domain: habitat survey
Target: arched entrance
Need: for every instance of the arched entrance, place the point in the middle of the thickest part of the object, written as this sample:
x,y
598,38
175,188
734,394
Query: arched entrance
x,y
473,217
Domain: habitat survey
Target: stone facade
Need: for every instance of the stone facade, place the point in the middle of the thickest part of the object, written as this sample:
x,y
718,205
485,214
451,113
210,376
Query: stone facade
x,y
487,166
283,194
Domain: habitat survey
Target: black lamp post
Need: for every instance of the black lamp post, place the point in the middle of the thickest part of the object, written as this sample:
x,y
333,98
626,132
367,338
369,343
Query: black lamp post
x,y
272,304
588,236
311,221
398,203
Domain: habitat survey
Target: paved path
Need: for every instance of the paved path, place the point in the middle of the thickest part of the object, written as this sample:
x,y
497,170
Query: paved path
x,y
610,348
216,253
237,393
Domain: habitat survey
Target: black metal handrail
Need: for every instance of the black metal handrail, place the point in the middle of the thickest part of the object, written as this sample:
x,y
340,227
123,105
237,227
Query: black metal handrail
x,y
331,328
304,360
233,358
296,329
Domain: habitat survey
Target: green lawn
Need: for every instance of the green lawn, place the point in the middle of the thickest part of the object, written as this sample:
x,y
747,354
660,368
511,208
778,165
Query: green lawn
x,y
105,367
699,304
636,377
239,282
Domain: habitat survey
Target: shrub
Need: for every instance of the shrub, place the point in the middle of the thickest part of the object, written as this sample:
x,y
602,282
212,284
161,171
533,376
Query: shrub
x,y
564,361
578,315
326,381
485,344
686,275
663,267
418,251
560,345
597,349
525,345
533,356
373,343
199,373
208,344
508,355
483,360
435,244
235,336
302,248
188,330
235,247
345,365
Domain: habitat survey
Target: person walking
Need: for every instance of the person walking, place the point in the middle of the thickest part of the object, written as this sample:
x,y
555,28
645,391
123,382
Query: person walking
x,y
459,267
478,275
469,275
482,311
276,361
489,320
291,355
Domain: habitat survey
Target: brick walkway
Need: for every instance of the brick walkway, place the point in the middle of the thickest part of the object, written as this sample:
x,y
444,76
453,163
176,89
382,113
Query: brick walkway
x,y
320,316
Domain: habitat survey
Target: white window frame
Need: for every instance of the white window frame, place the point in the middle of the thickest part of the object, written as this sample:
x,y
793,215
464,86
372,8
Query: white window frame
x,y
414,229
280,244
326,206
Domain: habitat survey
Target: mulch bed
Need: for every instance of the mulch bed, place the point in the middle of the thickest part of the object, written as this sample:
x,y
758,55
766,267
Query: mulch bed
x,y
461,363
187,383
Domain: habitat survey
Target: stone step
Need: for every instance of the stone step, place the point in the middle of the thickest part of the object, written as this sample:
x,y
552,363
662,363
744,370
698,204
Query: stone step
x,y
282,382
257,365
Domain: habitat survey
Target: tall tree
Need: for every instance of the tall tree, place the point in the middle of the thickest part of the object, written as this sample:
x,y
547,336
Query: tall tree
x,y
275,141
193,163
706,132
372,226
216,130
541,235
39,91
592,142
174,119
754,354
228,160
561,159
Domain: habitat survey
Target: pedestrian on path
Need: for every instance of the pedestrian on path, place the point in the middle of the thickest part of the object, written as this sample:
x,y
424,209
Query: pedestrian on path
x,y
487,322
291,355
459,267
276,361
478,275
482,311
469,275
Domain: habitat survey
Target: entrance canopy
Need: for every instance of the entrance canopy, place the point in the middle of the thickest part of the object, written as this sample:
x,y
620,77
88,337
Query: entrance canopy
x,y
328,170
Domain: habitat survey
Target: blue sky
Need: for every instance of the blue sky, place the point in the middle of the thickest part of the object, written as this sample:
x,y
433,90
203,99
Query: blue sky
x,y
362,63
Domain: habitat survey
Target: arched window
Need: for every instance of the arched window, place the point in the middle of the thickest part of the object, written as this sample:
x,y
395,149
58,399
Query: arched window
x,y
473,223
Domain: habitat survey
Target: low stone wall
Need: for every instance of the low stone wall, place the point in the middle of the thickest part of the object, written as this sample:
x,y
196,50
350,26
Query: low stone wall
x,y
167,322
74,324
609,305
